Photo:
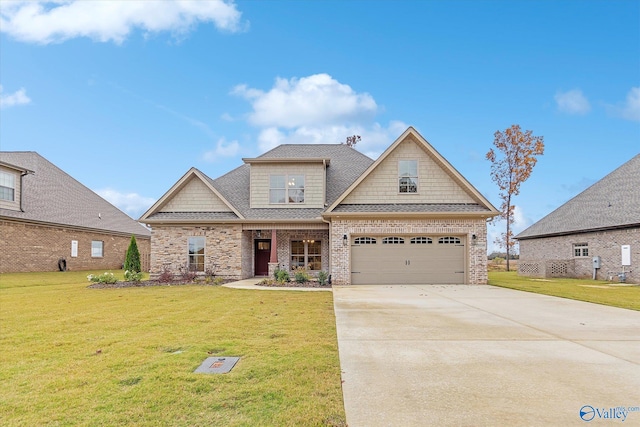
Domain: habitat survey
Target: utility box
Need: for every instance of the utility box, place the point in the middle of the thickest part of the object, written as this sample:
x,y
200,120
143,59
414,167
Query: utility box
x,y
626,255
596,262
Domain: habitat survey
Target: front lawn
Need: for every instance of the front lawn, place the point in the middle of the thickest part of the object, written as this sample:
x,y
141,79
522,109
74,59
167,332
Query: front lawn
x,y
596,291
70,355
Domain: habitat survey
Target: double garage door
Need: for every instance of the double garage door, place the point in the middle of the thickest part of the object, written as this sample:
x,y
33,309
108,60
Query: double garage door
x,y
408,260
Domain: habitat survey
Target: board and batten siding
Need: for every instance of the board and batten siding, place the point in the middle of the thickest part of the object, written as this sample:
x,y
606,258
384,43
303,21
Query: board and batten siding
x,y
195,196
313,184
435,185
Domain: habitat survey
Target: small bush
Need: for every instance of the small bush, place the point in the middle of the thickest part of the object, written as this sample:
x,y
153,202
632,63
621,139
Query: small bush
x,y
301,275
102,278
282,276
132,276
166,276
498,260
187,275
323,277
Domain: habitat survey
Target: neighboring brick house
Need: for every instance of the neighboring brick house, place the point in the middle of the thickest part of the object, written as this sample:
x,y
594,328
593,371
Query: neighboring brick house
x,y
603,221
408,217
46,216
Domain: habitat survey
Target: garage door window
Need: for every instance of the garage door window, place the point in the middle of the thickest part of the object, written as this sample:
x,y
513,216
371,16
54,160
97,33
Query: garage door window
x,y
449,240
421,241
364,241
393,241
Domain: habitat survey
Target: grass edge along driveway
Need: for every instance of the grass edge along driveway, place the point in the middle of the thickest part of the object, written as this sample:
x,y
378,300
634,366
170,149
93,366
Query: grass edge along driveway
x,y
595,291
76,356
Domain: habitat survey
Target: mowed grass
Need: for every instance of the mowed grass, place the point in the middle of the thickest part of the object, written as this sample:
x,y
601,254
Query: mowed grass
x,y
596,291
70,355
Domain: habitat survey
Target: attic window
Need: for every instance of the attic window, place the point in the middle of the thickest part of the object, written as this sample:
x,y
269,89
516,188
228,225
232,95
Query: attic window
x,y
7,186
285,189
407,176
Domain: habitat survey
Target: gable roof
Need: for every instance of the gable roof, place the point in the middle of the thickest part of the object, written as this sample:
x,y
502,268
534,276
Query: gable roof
x,y
481,206
613,202
51,196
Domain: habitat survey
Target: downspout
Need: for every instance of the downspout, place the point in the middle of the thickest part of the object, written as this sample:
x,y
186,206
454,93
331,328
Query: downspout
x,y
22,175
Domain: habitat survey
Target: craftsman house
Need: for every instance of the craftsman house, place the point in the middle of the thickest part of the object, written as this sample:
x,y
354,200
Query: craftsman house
x,y
408,217
596,234
49,221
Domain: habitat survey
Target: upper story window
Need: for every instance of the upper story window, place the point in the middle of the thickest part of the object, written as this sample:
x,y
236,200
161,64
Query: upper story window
x,y
408,176
581,250
7,186
286,189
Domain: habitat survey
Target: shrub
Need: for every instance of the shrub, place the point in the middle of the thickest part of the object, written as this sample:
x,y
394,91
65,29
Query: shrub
x,y
132,276
166,276
132,258
323,277
102,278
301,275
187,275
498,260
282,276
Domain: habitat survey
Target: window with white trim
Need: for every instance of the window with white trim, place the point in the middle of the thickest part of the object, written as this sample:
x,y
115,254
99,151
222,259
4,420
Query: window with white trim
x,y
285,189
196,254
407,176
306,254
7,186
97,249
580,250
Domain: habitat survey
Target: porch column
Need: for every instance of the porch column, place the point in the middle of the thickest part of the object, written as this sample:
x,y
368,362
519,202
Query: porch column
x,y
273,258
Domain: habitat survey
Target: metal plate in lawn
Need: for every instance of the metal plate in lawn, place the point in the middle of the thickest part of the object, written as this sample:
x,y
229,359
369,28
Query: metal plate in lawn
x,y
217,365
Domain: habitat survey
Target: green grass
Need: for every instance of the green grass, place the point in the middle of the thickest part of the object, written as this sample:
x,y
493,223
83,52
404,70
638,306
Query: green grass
x,y
596,291
107,357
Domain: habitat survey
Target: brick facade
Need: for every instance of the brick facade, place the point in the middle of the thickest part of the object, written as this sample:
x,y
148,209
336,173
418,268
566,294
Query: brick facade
x,y
31,247
554,256
476,261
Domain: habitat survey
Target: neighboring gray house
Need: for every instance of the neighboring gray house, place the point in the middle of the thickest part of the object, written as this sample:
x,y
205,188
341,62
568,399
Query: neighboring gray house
x,y
46,215
602,222
407,217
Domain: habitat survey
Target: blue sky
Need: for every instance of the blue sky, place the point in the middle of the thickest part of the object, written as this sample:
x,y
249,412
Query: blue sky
x,y
127,96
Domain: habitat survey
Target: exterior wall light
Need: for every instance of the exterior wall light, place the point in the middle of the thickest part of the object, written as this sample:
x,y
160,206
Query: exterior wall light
x,y
344,240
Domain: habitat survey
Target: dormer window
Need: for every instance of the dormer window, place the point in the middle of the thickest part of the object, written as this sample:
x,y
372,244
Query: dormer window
x,y
7,186
285,189
407,176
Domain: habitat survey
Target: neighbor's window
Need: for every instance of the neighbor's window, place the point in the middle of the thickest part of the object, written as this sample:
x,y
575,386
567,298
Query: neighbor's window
x,y
580,250
7,186
286,189
408,176
97,248
196,253
306,254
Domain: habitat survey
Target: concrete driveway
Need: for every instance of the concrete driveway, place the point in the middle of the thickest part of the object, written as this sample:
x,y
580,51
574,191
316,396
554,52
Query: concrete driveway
x,y
425,355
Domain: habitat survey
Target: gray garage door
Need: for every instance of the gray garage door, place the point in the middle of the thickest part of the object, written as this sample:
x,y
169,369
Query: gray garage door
x,y
408,259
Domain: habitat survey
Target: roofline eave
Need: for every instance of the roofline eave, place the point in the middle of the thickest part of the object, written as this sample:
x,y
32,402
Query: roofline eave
x,y
582,231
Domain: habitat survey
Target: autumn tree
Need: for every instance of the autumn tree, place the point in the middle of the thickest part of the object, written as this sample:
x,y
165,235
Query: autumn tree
x,y
510,167
352,140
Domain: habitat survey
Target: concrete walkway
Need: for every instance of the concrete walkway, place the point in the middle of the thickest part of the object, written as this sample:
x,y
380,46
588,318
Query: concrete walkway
x,y
481,355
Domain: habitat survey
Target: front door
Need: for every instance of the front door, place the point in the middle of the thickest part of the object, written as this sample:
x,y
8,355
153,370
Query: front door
x,y
262,256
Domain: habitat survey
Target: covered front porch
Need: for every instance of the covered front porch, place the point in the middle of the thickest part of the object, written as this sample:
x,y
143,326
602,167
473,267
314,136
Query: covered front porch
x,y
285,247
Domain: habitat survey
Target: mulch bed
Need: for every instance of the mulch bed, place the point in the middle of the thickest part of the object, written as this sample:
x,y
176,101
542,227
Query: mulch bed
x,y
310,284
144,283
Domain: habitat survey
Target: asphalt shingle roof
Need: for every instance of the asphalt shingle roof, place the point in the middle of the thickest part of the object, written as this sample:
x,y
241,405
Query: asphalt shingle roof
x,y
612,202
50,195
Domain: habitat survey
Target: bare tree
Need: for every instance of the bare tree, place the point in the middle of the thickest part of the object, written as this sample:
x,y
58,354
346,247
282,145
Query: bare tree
x,y
352,140
518,157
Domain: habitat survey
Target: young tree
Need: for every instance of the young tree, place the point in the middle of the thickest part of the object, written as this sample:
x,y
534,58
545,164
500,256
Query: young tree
x,y
132,259
519,151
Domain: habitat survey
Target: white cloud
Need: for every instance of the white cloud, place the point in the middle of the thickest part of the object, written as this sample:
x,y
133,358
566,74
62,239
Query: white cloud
x,y
316,109
315,100
223,149
131,203
19,97
105,20
572,102
631,108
